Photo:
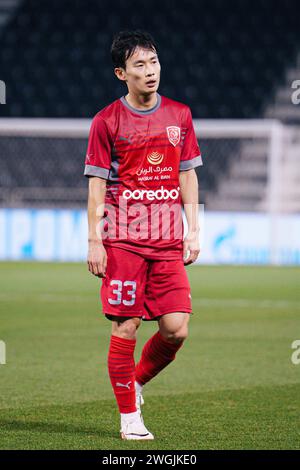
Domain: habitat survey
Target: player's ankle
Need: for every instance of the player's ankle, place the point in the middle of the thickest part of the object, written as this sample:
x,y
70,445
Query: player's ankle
x,y
129,417
138,387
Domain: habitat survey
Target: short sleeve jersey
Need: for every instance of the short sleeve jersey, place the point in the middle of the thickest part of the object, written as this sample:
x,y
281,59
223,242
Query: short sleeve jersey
x,y
140,154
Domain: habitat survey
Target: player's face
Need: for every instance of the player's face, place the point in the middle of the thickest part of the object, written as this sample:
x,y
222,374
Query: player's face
x,y
142,73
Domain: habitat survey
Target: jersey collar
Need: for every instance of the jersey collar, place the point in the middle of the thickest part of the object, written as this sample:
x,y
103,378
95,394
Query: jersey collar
x,y
139,111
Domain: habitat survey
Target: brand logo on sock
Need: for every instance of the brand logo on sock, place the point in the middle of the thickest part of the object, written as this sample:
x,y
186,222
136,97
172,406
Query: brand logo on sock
x,y
118,384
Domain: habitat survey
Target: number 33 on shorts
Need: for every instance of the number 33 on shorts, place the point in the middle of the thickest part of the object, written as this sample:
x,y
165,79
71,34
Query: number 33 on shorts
x,y
135,286
123,293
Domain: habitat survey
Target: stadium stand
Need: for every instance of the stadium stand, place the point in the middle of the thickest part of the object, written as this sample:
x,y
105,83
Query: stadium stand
x,y
55,55
7,9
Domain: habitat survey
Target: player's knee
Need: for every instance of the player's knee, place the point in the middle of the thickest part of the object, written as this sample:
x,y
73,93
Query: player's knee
x,y
127,329
178,336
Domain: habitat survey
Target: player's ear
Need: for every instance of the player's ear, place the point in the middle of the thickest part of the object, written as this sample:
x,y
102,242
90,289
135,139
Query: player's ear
x,y
120,73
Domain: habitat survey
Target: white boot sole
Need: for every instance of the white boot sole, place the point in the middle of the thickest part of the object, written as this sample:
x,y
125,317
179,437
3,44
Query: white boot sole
x,y
130,437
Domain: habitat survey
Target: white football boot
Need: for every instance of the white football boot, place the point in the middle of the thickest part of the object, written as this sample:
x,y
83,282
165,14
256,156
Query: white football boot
x,y
133,428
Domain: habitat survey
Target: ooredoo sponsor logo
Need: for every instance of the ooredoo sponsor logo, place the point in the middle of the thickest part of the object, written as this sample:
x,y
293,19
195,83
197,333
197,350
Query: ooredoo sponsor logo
x,y
151,195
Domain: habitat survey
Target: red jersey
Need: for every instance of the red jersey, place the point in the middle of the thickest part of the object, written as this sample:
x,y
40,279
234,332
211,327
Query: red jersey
x,y
140,154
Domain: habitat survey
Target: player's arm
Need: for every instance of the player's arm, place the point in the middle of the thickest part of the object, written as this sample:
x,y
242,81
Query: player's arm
x,y
97,167
97,258
189,195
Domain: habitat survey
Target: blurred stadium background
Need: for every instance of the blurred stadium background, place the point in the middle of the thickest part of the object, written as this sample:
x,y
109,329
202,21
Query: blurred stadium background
x,y
235,63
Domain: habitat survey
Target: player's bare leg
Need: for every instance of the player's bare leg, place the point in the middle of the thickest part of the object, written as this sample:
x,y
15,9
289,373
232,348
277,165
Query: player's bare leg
x,y
121,369
174,327
125,327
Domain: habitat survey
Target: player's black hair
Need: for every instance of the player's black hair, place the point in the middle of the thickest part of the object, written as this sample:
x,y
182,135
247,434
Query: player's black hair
x,y
125,43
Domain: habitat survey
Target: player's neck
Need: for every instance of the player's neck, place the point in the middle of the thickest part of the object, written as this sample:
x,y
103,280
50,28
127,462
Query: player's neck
x,y
141,102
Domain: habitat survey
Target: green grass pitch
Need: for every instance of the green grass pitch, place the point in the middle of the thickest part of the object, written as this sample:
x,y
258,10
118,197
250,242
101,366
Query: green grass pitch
x,y
232,386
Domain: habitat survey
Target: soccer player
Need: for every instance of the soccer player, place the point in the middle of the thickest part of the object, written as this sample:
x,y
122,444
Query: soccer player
x,y
141,156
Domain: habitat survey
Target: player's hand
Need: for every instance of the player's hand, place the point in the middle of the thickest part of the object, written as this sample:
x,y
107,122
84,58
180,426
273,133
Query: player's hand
x,y
191,247
97,258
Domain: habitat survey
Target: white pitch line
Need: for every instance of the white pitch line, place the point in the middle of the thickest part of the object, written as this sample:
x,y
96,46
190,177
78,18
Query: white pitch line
x,y
246,303
205,301
44,297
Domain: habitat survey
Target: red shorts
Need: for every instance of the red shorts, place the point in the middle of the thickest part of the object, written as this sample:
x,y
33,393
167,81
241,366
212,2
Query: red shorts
x,y
139,287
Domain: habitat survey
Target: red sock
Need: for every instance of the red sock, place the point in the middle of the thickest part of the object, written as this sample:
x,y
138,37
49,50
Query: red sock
x,y
121,370
156,355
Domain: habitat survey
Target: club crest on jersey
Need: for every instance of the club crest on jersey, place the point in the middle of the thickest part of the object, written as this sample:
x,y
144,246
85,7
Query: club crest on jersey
x,y
173,134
